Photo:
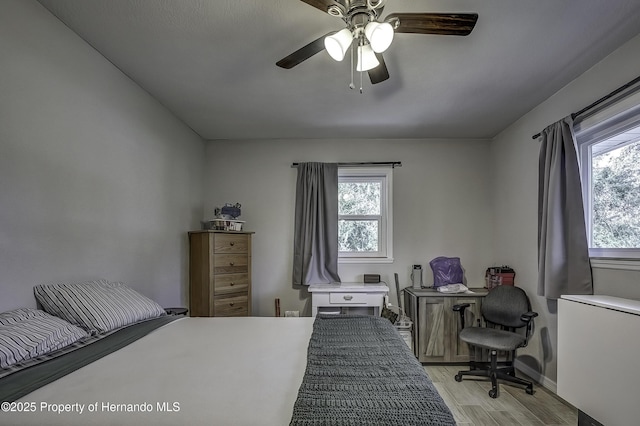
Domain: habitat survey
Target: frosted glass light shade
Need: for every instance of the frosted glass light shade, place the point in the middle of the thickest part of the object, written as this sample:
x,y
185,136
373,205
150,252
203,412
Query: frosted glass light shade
x,y
338,44
366,58
380,35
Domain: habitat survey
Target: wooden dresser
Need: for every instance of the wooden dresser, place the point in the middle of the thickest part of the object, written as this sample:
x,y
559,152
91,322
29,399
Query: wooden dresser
x,y
219,273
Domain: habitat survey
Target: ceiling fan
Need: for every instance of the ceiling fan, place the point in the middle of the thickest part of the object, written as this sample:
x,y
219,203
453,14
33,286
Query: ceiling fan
x,y
373,35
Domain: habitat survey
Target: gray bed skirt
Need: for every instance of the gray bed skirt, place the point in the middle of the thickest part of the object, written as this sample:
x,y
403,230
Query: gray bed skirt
x,y
22,382
361,372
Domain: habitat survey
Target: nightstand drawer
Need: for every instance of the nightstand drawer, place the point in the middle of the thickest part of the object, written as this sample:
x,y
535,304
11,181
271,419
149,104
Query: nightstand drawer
x,y
230,243
231,283
230,263
233,306
348,298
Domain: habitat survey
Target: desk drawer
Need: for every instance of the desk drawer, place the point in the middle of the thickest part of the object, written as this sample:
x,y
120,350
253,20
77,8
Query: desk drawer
x,y
349,298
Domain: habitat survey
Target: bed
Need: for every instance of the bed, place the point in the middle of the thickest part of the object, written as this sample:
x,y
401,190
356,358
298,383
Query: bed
x,y
240,371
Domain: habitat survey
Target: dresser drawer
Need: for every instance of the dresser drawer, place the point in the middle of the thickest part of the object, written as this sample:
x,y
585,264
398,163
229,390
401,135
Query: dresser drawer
x,y
230,263
349,298
231,283
230,243
232,306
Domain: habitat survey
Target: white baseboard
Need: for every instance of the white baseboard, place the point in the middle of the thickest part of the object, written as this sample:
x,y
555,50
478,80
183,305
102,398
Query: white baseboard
x,y
537,376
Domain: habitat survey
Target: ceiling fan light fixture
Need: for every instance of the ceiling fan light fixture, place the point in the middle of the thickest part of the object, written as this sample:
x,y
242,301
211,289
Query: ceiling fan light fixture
x,y
366,58
337,44
380,35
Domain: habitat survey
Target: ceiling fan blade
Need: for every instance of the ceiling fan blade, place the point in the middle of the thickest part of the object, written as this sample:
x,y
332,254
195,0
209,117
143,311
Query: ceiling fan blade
x,y
379,73
303,53
435,23
323,5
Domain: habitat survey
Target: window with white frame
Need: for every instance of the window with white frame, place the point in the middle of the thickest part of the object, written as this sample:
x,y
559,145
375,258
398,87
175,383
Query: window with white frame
x,y
365,214
609,149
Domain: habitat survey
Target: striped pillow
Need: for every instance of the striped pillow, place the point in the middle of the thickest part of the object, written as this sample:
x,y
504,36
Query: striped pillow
x,y
29,333
97,306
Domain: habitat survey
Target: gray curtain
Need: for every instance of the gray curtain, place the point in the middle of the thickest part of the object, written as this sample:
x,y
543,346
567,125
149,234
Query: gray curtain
x,y
315,248
563,252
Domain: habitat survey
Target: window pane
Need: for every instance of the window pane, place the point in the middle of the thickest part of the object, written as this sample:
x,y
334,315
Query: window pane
x,y
616,195
358,235
359,198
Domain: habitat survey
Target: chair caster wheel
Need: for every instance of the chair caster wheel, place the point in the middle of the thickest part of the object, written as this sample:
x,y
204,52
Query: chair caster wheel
x,y
493,393
458,377
529,391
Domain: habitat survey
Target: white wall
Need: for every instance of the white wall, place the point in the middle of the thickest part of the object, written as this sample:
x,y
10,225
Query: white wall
x,y
515,189
441,205
97,179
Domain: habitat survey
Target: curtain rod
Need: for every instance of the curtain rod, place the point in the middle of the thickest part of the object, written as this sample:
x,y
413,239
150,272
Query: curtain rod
x,y
598,102
393,164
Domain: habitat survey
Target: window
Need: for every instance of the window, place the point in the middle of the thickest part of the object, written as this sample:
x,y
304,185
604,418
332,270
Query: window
x,y
609,149
364,215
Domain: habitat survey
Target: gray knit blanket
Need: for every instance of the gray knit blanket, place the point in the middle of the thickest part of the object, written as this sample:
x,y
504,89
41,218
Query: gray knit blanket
x,y
361,372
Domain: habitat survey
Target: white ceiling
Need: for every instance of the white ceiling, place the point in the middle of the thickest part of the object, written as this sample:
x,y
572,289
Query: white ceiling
x,y
212,63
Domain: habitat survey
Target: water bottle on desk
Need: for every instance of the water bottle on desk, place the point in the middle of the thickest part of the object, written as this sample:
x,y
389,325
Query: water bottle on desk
x,y
416,276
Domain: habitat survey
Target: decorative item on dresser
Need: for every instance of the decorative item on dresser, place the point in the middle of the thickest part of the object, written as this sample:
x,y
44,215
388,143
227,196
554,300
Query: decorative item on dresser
x,y
219,273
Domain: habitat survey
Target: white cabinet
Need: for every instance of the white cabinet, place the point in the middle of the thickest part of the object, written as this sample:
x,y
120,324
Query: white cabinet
x,y
598,347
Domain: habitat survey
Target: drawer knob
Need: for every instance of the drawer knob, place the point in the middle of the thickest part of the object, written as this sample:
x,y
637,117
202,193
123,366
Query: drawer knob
x,y
232,284
347,297
231,304
232,243
231,263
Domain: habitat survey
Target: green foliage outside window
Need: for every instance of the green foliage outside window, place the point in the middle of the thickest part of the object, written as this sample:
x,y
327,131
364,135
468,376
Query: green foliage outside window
x,y
358,236
358,199
616,198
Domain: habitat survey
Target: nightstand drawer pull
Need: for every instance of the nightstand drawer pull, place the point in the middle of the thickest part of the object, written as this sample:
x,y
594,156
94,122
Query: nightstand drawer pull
x,y
232,284
231,304
232,243
231,263
347,297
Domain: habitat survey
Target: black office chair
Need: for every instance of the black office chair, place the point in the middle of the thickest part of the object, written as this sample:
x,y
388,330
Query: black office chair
x,y
506,309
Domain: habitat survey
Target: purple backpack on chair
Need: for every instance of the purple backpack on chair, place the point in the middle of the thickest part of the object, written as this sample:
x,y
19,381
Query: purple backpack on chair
x,y
446,270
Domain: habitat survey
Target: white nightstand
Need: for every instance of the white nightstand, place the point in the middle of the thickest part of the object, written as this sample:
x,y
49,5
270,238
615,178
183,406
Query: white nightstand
x,y
349,295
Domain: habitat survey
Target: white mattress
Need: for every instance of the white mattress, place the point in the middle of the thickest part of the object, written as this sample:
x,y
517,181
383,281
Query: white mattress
x,y
209,371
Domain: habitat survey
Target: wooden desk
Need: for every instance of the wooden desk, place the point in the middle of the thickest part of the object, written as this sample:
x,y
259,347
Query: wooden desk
x,y
335,297
436,325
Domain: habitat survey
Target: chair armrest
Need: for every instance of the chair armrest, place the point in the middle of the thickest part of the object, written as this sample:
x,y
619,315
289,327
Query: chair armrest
x,y
460,309
528,318
461,306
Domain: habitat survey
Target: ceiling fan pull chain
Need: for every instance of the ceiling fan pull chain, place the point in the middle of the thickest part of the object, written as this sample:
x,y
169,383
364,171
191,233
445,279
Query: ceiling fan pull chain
x,y
352,85
360,44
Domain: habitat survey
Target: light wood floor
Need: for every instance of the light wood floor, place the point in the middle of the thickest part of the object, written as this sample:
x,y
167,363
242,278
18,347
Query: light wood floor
x,y
470,403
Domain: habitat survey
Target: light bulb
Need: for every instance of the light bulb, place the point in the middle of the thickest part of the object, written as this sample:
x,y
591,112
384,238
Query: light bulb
x,y
366,58
337,44
380,35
